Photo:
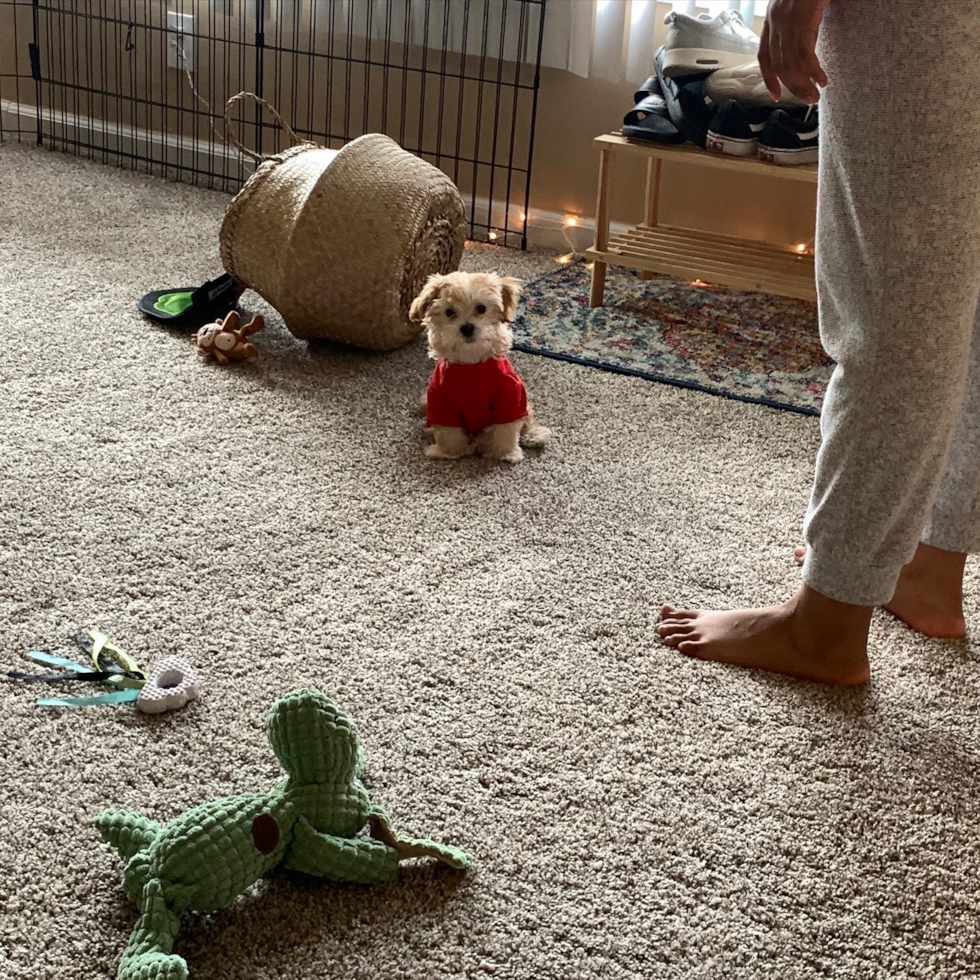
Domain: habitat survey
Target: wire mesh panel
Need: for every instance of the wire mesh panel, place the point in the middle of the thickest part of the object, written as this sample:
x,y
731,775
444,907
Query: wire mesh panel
x,y
18,117
144,82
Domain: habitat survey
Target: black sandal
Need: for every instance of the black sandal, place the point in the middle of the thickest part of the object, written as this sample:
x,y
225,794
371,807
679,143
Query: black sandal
x,y
650,118
192,306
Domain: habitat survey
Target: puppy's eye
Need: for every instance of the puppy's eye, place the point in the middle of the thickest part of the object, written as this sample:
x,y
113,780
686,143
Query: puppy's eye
x,y
450,314
481,309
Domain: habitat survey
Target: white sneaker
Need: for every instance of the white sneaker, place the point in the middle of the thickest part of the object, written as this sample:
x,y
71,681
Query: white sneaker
x,y
703,44
744,84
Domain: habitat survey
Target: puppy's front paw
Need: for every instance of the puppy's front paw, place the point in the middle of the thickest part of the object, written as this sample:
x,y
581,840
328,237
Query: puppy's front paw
x,y
434,452
512,457
536,436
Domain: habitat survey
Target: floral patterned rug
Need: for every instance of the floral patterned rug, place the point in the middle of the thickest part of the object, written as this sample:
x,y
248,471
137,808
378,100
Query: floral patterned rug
x,y
747,346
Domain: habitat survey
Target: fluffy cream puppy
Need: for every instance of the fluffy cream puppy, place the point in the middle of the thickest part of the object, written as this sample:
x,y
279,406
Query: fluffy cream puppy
x,y
476,401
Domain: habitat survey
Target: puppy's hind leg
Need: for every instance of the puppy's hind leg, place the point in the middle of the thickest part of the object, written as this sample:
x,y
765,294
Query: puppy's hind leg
x,y
422,408
534,435
503,441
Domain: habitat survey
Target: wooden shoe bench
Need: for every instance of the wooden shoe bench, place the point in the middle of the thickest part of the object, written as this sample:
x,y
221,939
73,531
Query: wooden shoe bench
x,y
650,247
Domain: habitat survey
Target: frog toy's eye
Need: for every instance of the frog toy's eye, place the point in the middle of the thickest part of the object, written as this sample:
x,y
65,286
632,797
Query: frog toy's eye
x,y
481,309
450,314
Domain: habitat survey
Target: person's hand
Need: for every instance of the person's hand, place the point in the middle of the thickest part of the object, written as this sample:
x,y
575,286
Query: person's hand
x,y
787,50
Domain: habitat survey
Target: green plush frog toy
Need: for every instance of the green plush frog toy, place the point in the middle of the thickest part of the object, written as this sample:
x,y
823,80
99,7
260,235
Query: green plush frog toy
x,y
210,854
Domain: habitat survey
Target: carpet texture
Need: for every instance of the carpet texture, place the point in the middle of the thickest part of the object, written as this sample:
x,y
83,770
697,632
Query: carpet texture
x,y
630,813
747,346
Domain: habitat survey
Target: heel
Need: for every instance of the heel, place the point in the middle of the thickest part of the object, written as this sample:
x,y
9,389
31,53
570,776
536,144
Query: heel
x,y
694,61
731,146
789,157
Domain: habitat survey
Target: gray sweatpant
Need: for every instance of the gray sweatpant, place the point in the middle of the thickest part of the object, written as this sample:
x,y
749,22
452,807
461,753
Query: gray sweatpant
x,y
898,274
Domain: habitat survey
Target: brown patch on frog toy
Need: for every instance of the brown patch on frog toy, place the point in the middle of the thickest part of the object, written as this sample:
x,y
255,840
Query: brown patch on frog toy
x,y
225,341
265,833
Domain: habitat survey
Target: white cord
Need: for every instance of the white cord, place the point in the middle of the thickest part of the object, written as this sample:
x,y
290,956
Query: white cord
x,y
190,81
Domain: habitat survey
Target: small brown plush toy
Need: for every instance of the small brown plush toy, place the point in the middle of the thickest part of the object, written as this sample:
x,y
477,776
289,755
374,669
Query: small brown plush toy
x,y
222,341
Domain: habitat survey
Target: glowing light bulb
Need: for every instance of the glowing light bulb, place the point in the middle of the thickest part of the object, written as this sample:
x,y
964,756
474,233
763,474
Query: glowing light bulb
x,y
522,216
801,248
492,236
571,221
563,259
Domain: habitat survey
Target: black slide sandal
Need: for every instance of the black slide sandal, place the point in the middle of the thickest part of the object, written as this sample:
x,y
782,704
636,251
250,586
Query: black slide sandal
x,y
192,306
649,119
693,129
650,87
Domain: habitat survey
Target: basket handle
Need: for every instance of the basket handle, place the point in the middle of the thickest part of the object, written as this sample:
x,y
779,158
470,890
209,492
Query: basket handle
x,y
232,137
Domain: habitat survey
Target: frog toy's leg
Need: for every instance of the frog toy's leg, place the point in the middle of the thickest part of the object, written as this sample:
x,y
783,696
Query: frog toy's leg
x,y
409,847
127,832
131,835
359,859
148,953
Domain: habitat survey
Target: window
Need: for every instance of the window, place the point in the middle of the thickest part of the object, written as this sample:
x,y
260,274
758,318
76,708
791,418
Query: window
x,y
615,39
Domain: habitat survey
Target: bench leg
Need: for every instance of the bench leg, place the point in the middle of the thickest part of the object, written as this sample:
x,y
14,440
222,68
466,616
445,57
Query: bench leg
x,y
601,227
598,284
651,206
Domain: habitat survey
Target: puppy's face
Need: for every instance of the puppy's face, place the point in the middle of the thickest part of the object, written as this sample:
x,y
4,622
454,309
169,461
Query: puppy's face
x,y
467,315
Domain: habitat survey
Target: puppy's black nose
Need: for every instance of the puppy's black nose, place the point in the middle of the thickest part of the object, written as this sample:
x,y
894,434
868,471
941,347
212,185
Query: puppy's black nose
x,y
467,329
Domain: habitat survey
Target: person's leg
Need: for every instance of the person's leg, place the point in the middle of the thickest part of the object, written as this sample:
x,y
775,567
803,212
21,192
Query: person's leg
x,y
929,594
929,597
898,266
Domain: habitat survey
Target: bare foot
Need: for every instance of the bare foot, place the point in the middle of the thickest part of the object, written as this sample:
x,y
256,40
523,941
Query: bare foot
x,y
810,636
929,595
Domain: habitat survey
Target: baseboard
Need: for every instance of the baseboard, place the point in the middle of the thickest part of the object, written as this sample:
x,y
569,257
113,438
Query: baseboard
x,y
167,156
163,154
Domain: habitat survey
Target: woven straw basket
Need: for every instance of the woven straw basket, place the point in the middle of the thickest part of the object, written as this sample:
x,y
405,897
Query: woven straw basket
x,y
341,242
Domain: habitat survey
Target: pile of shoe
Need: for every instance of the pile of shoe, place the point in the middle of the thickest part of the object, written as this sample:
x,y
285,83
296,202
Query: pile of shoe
x,y
708,89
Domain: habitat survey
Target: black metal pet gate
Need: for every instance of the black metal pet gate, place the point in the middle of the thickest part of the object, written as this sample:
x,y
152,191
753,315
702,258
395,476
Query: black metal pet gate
x,y
142,83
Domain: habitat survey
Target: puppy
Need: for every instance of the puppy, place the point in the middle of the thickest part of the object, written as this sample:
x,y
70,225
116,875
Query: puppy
x,y
475,402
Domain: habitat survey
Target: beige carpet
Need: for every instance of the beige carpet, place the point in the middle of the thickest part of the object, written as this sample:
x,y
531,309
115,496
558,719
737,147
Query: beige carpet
x,y
631,813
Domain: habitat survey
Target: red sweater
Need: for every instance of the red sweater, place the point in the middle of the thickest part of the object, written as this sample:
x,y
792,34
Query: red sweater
x,y
474,396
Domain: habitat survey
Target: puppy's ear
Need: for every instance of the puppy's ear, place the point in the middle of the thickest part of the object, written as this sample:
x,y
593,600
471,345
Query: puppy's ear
x,y
430,293
510,293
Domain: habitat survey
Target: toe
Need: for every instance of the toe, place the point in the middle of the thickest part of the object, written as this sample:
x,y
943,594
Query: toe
x,y
673,613
673,627
688,647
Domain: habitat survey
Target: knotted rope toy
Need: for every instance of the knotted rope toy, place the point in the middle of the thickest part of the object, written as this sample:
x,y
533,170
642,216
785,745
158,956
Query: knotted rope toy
x,y
204,858
225,341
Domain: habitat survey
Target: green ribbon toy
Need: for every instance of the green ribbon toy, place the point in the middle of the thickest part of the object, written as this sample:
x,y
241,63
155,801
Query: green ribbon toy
x,y
112,666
